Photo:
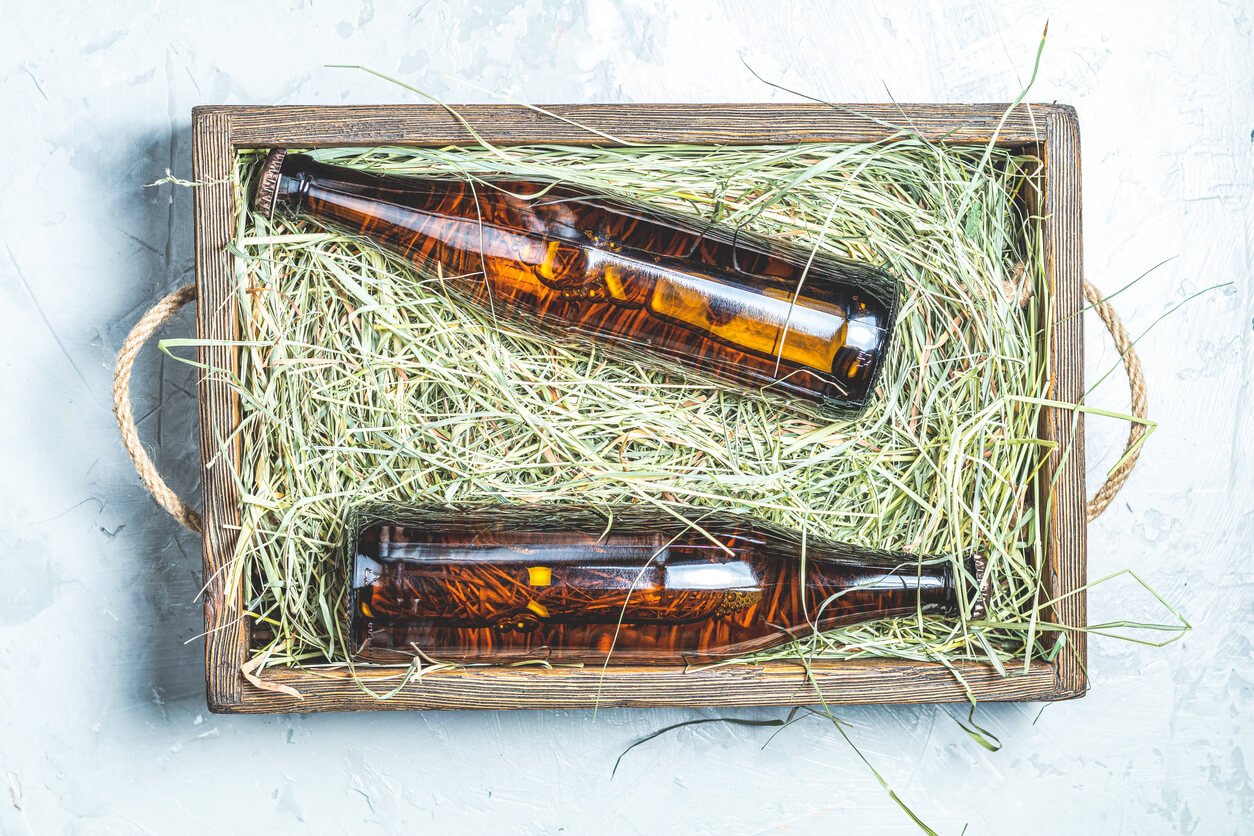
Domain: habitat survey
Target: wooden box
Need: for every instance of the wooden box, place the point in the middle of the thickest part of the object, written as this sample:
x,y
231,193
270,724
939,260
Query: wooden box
x,y
1050,131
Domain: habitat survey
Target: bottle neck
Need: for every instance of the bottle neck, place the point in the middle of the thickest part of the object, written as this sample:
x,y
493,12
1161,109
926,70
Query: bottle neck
x,y
286,179
293,190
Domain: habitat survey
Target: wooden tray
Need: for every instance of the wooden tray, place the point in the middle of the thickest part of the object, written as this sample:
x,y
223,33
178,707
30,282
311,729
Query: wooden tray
x,y
1050,131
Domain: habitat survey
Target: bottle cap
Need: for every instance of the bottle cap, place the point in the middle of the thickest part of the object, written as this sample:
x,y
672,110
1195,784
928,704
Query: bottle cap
x,y
268,183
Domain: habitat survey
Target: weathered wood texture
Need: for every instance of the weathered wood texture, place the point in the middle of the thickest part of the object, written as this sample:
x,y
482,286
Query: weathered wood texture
x,y
621,686
212,163
219,131
1065,553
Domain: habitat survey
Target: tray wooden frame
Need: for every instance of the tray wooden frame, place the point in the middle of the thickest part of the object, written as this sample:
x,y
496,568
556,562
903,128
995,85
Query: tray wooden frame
x,y
1051,130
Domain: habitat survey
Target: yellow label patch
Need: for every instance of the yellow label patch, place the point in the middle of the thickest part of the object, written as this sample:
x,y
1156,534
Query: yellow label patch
x,y
539,575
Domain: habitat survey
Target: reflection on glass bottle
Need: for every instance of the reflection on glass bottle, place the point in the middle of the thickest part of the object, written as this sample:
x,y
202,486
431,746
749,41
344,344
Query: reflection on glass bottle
x,y
550,257
523,583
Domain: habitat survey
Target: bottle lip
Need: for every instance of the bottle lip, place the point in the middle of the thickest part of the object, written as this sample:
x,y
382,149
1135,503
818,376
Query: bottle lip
x,y
266,196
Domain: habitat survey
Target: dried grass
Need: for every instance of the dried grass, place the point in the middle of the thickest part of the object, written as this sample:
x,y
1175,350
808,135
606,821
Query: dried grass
x,y
362,382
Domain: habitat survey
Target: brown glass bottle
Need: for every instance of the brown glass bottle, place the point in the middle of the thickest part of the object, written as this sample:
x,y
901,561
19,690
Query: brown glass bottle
x,y
726,304
519,583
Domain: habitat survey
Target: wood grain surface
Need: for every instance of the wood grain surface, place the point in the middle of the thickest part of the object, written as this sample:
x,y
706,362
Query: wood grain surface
x,y
220,131
776,683
226,631
1064,469
725,124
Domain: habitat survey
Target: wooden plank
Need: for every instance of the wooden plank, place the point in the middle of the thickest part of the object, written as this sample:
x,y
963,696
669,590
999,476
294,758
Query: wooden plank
x,y
776,683
731,124
220,131
1067,551
226,632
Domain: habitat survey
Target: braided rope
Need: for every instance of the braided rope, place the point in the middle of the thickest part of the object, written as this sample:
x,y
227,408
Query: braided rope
x,y
190,519
1140,401
148,473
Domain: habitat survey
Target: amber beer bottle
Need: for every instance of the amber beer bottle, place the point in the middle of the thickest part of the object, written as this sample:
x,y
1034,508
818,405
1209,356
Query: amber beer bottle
x,y
560,585
553,258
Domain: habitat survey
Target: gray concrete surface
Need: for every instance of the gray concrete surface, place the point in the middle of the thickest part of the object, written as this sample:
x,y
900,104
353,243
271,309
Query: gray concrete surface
x,y
103,727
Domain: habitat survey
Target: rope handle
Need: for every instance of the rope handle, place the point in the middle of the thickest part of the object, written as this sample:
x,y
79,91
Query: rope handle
x,y
154,318
1116,479
190,519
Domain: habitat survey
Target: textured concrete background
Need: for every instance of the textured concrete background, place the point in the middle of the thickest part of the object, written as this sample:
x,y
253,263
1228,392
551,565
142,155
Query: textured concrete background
x,y
103,727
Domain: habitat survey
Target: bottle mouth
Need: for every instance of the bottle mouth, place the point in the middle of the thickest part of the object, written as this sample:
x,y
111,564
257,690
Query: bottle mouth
x,y
267,194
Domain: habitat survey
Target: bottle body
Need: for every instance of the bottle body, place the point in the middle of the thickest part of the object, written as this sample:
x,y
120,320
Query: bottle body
x,y
722,303
560,585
